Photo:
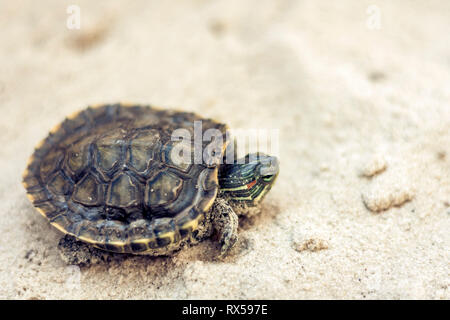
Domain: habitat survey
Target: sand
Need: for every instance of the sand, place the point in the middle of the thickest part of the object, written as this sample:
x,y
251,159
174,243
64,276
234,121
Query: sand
x,y
361,207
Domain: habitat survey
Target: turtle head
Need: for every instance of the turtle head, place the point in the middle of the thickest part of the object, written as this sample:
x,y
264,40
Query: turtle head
x,y
248,179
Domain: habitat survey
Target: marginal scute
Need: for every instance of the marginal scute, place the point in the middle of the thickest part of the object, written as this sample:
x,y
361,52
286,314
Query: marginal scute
x,y
62,222
88,191
123,192
74,123
46,207
51,164
165,231
100,114
142,149
38,196
140,229
112,231
30,182
183,223
87,230
163,189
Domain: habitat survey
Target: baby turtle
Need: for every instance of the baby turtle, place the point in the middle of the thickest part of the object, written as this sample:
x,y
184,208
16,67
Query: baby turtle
x,y
109,177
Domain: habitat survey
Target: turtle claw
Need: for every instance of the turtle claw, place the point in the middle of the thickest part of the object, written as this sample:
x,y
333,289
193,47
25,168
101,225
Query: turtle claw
x,y
227,241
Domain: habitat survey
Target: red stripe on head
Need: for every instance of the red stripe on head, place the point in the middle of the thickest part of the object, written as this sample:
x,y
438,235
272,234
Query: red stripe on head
x,y
251,184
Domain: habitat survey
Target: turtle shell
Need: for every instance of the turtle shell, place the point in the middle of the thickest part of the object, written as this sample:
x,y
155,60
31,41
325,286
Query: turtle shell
x,y
105,176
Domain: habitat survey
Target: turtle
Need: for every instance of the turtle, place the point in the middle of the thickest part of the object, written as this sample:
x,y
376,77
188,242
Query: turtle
x,y
108,178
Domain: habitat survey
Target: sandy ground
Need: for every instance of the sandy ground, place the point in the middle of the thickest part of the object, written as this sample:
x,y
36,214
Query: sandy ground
x,y
361,208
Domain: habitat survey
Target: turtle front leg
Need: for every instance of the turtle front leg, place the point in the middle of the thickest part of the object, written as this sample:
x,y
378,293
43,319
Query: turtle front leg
x,y
225,222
